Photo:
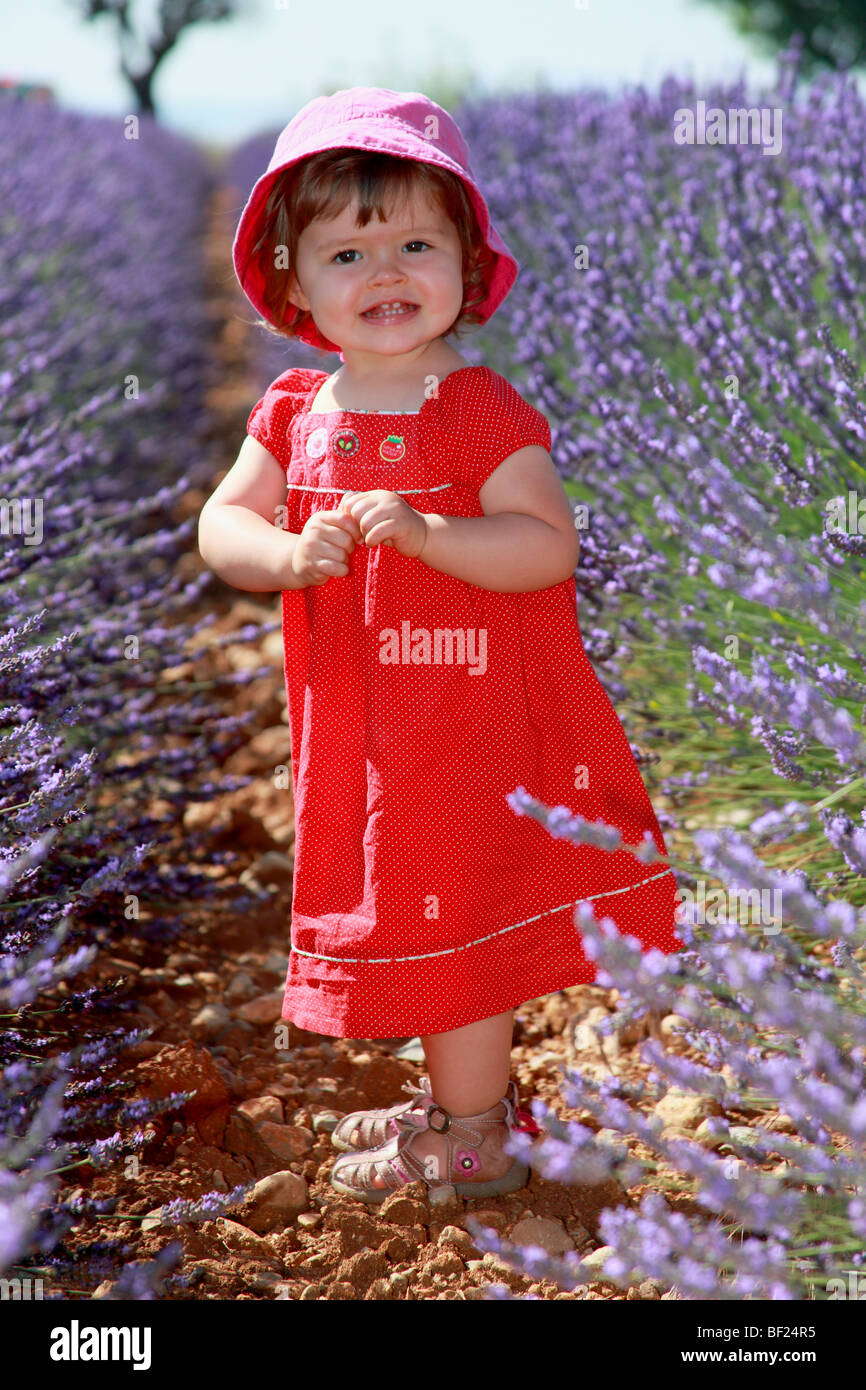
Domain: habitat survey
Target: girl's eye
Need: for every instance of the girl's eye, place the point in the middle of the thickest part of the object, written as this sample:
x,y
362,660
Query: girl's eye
x,y
352,252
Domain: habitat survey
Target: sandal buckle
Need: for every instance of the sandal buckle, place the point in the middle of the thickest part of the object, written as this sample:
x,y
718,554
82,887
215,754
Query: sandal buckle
x,y
436,1129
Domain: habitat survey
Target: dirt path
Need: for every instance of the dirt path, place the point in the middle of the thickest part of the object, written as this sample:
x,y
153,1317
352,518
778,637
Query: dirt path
x,y
263,1099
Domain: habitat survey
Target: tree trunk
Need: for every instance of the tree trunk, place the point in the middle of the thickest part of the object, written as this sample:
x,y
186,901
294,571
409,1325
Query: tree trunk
x,y
142,85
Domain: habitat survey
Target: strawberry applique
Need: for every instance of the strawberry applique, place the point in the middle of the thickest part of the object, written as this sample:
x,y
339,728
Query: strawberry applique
x,y
392,449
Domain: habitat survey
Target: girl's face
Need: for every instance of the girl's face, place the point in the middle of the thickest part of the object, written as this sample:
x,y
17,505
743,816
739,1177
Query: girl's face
x,y
412,263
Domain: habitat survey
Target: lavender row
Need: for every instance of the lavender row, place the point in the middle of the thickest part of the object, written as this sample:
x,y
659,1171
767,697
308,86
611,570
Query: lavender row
x,y
105,362
703,371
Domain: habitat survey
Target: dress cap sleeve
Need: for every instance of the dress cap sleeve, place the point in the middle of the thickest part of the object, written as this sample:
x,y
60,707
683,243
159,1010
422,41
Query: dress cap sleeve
x,y
486,421
271,416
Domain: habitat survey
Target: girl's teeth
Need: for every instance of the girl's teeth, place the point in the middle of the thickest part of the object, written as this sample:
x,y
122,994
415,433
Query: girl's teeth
x,y
388,313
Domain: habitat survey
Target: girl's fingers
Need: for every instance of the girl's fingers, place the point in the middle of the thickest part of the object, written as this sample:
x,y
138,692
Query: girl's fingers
x,y
379,535
344,522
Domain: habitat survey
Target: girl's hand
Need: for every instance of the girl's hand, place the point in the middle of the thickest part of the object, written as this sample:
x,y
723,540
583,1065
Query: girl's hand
x,y
385,519
323,547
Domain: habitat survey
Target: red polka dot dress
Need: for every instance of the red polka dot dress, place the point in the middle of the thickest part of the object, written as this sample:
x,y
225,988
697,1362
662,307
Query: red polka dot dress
x,y
421,901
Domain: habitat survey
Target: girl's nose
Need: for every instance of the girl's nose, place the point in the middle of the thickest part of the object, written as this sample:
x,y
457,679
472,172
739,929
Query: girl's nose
x,y
384,279
386,267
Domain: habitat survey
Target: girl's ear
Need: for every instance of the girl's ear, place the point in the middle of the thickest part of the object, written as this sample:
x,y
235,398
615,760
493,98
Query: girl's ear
x,y
296,294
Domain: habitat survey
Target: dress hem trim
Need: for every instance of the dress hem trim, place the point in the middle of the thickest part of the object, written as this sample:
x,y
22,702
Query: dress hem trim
x,y
476,941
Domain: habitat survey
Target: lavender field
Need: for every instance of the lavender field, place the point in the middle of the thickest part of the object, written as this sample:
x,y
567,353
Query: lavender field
x,y
691,320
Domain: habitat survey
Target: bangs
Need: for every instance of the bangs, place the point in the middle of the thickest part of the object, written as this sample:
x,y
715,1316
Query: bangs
x,y
381,184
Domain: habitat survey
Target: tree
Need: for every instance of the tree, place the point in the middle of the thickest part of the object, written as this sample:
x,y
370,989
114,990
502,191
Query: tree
x,y
173,17
833,31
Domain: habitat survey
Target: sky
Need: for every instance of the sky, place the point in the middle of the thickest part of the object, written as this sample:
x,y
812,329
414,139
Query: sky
x,y
232,79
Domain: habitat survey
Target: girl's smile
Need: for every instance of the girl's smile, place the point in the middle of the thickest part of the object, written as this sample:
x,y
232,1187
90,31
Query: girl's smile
x,y
390,313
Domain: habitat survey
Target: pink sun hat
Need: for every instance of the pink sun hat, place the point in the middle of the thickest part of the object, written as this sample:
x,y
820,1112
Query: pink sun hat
x,y
406,124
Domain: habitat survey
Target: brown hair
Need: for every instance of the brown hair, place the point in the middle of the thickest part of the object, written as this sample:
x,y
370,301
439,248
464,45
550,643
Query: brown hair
x,y
326,183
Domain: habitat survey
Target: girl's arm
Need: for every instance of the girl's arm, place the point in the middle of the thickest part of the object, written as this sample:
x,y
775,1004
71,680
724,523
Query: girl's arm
x,y
526,539
237,537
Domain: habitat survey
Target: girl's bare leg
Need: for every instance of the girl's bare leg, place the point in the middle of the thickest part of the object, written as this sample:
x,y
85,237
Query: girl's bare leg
x,y
469,1067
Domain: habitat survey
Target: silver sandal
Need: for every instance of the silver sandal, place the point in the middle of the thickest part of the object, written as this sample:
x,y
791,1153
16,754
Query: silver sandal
x,y
396,1164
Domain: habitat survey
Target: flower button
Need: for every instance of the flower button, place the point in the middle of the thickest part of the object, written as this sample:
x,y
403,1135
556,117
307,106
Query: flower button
x,y
317,442
467,1161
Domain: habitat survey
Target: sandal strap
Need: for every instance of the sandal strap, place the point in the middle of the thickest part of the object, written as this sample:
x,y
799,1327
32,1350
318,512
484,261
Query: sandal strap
x,y
463,1128
393,1171
413,1088
367,1121
371,1120
467,1130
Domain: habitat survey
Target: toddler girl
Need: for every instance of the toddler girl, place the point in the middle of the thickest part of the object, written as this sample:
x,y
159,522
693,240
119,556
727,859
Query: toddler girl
x,y
408,509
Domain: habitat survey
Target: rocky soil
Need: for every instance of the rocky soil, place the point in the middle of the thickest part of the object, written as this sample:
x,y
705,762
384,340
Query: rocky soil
x,y
264,1114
